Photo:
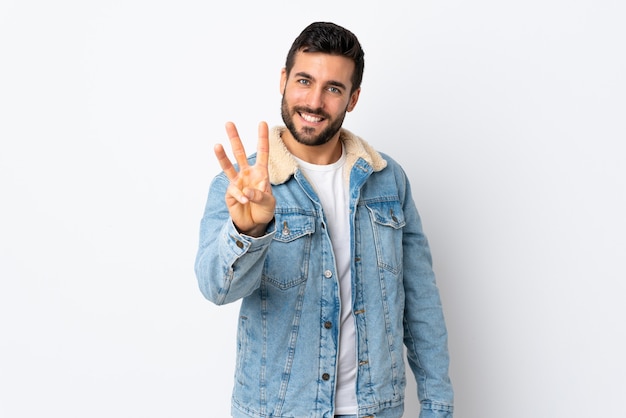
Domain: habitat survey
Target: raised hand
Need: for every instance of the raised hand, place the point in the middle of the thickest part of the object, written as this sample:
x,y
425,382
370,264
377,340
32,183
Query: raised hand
x,y
249,195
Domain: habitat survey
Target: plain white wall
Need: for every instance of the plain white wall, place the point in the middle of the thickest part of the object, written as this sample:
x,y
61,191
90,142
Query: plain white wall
x,y
508,117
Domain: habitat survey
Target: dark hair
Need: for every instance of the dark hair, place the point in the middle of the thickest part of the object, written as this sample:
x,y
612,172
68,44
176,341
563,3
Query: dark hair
x,y
333,39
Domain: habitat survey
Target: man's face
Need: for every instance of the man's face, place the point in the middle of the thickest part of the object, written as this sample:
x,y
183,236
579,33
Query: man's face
x,y
316,96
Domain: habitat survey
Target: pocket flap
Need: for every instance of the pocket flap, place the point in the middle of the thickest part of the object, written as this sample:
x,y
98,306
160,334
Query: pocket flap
x,y
387,213
291,226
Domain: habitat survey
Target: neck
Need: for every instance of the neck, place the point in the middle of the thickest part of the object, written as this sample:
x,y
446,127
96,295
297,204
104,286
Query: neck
x,y
324,154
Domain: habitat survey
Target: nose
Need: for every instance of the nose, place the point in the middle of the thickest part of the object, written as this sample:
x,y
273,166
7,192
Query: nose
x,y
315,98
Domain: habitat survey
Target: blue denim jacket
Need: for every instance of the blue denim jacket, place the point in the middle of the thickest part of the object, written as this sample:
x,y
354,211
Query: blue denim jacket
x,y
286,280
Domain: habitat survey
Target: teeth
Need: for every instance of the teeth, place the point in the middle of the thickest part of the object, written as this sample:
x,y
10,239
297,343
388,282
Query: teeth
x,y
309,118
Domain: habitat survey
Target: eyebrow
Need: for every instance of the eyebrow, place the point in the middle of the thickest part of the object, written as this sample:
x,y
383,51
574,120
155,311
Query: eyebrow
x,y
331,82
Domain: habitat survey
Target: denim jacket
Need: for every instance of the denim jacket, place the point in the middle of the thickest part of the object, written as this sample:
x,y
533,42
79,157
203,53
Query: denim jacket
x,y
287,283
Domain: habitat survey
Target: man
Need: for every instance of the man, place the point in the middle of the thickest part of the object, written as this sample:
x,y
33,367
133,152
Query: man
x,y
318,236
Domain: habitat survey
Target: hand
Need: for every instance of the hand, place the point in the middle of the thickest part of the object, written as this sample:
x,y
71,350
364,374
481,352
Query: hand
x,y
249,195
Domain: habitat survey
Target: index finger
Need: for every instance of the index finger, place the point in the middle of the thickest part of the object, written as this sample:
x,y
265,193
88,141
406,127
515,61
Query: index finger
x,y
263,147
237,147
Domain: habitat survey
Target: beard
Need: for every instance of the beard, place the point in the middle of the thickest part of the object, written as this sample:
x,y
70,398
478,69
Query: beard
x,y
306,135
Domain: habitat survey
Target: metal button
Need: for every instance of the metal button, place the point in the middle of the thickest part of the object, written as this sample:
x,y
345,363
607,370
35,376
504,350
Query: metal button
x,y
328,325
328,274
325,376
393,216
239,244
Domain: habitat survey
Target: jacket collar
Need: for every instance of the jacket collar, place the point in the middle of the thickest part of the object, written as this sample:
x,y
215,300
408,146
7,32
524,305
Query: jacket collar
x,y
282,165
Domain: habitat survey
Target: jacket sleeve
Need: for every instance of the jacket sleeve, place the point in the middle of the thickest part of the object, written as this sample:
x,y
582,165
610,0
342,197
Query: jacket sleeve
x,y
425,334
228,264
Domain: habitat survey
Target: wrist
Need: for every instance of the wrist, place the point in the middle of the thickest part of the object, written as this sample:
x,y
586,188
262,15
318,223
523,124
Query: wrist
x,y
257,231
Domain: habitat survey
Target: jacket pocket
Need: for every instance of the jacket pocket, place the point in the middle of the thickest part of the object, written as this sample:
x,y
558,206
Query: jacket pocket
x,y
288,257
387,222
242,350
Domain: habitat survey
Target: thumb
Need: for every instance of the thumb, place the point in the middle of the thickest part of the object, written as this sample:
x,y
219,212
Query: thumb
x,y
259,196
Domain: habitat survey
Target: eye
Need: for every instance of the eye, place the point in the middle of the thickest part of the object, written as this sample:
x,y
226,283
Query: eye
x,y
335,90
304,82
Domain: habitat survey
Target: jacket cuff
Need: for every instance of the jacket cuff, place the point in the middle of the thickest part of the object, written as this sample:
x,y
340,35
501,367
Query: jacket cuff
x,y
240,243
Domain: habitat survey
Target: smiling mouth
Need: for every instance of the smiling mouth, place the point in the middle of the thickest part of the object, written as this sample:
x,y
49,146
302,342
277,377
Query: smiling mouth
x,y
310,118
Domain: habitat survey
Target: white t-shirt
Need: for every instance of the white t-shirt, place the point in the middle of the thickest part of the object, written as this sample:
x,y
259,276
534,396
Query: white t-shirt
x,y
332,190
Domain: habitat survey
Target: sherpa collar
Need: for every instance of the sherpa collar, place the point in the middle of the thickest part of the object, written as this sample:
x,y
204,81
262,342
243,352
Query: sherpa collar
x,y
282,165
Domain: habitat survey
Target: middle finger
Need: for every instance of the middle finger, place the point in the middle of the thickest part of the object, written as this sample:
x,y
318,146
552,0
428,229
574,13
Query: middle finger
x,y
237,147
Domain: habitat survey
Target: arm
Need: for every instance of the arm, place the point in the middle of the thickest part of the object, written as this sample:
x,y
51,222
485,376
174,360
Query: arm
x,y
425,328
237,225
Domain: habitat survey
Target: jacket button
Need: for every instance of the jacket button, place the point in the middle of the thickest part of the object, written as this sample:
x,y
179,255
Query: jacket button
x,y
328,274
328,325
239,244
325,376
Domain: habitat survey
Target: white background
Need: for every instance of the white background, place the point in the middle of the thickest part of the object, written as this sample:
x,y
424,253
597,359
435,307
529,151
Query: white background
x,y
508,117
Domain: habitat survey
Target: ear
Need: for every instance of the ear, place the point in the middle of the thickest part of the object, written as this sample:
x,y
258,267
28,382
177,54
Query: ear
x,y
354,98
283,80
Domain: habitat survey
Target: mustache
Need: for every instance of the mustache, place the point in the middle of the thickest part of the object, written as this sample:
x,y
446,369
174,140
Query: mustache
x,y
317,112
